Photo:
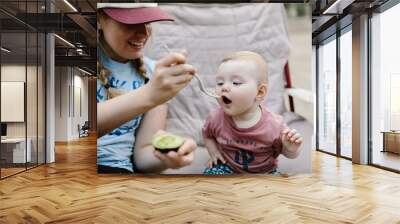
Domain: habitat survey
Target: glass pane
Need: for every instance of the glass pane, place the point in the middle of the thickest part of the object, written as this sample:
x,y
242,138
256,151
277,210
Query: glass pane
x,y
346,94
32,86
13,85
41,99
327,97
31,98
22,63
386,89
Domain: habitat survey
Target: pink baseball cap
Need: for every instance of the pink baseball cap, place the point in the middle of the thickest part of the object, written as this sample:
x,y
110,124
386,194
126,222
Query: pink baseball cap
x,y
134,13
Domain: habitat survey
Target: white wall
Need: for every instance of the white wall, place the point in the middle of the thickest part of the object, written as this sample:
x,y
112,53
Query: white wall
x,y
69,85
12,101
17,73
14,73
80,103
61,103
33,127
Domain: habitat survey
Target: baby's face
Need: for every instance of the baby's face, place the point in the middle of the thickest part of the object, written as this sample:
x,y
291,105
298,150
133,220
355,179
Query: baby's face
x,y
237,84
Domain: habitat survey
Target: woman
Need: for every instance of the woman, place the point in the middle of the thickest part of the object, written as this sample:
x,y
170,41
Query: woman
x,y
130,85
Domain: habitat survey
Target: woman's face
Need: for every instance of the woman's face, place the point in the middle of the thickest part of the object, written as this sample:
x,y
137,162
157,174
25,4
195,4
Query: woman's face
x,y
127,41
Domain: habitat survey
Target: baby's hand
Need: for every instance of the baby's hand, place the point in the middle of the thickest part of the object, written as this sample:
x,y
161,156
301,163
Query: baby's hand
x,y
291,137
215,156
183,157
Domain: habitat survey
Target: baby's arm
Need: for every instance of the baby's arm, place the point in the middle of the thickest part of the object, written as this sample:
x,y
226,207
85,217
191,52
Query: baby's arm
x,y
210,143
291,141
215,154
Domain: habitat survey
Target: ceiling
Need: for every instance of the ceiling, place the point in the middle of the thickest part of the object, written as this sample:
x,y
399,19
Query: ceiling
x,y
328,15
23,21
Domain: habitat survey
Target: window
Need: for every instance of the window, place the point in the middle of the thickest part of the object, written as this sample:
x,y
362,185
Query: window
x,y
385,89
22,66
346,94
327,96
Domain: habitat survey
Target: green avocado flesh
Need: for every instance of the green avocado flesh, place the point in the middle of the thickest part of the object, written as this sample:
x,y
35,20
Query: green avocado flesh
x,y
167,142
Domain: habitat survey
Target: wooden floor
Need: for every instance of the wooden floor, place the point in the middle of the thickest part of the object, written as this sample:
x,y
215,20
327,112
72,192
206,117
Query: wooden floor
x,y
70,191
8,171
388,159
5,172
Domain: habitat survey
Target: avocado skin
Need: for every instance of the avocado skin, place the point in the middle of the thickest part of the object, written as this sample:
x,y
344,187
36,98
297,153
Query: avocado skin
x,y
166,149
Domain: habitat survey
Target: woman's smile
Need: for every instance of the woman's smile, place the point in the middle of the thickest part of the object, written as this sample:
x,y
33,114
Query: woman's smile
x,y
136,44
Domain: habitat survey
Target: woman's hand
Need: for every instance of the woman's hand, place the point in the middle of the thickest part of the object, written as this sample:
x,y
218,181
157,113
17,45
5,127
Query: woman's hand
x,y
183,157
171,74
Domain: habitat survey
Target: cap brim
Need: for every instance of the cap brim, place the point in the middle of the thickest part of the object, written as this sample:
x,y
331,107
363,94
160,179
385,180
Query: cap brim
x,y
137,15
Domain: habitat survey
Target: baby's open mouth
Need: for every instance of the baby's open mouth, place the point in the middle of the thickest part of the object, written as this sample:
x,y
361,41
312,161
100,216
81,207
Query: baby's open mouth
x,y
226,100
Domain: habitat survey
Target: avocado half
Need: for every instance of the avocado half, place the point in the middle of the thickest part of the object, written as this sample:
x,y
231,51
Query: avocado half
x,y
167,142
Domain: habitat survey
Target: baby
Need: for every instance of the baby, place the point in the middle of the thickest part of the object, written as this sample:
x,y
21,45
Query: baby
x,y
242,136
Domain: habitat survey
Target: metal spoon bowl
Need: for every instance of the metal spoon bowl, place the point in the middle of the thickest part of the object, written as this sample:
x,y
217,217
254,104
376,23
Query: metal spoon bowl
x,y
204,90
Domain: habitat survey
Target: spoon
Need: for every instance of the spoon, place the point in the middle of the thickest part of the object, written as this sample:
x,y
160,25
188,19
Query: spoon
x,y
202,88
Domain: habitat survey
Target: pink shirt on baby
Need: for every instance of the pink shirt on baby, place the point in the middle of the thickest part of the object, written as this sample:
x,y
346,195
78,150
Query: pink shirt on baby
x,y
247,150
